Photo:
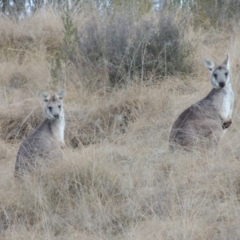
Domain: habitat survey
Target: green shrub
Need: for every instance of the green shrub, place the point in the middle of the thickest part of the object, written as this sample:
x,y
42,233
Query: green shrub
x,y
67,53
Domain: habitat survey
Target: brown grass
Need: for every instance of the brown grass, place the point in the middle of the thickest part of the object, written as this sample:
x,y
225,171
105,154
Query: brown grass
x,y
117,179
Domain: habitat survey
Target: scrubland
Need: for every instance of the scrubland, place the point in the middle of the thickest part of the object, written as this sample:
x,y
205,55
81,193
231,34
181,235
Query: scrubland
x,y
117,179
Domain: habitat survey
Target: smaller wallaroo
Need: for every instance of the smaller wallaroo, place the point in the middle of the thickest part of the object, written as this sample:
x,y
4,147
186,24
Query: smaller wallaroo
x,y
47,139
203,124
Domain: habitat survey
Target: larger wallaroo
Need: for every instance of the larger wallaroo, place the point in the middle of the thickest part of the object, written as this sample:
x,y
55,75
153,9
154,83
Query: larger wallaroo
x,y
203,124
46,141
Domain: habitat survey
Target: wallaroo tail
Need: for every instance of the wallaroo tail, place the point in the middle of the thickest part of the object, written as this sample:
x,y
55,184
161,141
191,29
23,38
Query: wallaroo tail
x,y
47,139
203,124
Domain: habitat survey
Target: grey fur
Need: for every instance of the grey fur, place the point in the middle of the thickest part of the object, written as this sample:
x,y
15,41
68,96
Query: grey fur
x,y
47,139
203,124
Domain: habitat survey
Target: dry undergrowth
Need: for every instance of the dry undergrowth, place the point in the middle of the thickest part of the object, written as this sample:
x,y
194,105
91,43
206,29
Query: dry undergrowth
x,y
117,179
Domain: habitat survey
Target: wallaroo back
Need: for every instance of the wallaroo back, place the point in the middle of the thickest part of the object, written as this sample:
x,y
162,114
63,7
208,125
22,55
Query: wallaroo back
x,y
203,124
47,139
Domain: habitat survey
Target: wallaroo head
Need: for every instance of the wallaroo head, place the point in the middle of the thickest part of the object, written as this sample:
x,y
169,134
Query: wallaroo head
x,y
220,76
53,107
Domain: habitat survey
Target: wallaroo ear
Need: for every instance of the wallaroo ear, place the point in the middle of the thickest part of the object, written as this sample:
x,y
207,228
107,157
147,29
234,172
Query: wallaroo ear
x,y
45,96
60,94
226,62
209,64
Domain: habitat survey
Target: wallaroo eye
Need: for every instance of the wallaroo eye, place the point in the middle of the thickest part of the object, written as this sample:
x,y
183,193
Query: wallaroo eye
x,y
226,74
50,109
215,75
59,106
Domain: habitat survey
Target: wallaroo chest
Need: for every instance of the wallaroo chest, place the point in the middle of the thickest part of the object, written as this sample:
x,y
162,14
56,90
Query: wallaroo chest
x,y
227,102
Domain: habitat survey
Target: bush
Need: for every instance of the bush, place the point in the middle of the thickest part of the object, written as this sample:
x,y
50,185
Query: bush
x,y
126,47
162,49
213,13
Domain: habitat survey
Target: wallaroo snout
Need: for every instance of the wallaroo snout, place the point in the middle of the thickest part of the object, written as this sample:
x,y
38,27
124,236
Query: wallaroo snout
x,y
203,124
47,139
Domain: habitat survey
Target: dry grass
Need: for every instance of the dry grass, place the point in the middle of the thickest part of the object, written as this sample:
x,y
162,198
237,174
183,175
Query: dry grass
x,y
117,179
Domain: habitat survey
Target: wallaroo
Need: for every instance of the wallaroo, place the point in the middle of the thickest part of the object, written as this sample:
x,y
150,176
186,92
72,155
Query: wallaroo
x,y
203,124
47,139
